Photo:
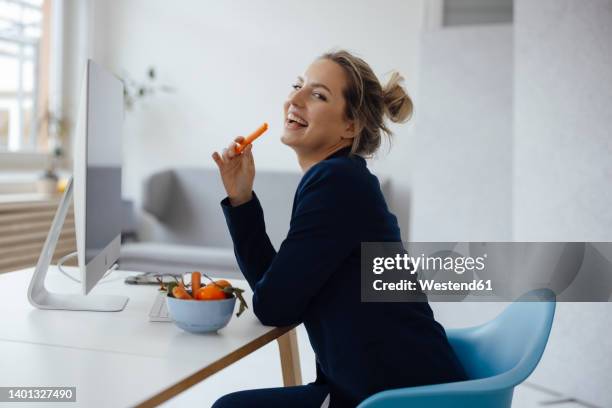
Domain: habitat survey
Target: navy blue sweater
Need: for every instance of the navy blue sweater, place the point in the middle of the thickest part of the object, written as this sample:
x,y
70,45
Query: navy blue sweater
x,y
314,278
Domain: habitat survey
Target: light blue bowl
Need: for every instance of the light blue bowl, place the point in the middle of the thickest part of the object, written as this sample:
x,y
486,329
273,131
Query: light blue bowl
x,y
201,316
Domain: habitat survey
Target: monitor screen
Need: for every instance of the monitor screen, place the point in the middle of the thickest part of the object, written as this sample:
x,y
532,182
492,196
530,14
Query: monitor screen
x,y
103,161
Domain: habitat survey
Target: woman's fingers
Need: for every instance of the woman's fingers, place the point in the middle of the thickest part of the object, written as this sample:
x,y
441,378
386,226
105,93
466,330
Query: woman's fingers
x,y
248,152
229,153
231,150
217,158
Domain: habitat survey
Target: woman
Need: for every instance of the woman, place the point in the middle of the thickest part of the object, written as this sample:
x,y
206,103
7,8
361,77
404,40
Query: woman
x,y
333,117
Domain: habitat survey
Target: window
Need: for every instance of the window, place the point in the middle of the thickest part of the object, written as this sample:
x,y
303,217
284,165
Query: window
x,y
23,72
477,12
453,13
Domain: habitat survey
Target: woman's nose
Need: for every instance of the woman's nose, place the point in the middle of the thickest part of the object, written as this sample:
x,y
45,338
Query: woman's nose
x,y
296,98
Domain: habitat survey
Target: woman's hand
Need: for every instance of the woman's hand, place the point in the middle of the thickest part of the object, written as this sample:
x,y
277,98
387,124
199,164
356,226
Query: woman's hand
x,y
237,172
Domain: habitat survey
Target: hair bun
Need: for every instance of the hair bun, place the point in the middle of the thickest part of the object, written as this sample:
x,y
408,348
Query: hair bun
x,y
398,105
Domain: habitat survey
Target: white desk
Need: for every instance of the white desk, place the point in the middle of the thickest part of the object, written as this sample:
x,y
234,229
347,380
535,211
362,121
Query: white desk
x,y
120,358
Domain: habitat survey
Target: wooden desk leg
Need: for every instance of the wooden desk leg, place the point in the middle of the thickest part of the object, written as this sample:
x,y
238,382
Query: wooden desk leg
x,y
290,358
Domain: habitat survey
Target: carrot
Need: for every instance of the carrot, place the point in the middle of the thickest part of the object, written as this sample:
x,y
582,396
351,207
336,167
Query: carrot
x,y
251,138
180,292
196,279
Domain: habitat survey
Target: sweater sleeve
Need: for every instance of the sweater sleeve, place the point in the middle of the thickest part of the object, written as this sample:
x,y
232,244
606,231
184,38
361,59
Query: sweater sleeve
x,y
252,247
322,234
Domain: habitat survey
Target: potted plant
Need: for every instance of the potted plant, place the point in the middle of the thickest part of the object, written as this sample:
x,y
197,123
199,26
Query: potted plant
x,y
57,126
133,90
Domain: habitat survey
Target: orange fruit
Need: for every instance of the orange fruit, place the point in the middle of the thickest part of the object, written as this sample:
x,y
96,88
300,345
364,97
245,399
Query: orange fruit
x,y
210,292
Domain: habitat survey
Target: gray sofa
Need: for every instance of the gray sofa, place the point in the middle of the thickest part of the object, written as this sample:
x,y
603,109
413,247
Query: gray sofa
x,y
181,227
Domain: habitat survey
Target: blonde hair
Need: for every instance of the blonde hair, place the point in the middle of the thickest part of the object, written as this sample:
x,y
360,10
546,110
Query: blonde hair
x,y
368,102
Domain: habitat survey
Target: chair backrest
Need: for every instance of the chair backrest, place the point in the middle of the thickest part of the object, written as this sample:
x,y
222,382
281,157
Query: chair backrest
x,y
511,343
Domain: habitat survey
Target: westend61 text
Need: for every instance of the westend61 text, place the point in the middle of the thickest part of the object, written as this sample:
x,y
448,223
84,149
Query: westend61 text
x,y
429,285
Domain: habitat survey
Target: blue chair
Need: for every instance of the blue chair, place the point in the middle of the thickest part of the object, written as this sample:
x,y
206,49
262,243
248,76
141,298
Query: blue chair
x,y
496,355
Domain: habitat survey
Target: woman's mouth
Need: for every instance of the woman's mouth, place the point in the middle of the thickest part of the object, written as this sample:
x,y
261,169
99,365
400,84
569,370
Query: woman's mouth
x,y
294,122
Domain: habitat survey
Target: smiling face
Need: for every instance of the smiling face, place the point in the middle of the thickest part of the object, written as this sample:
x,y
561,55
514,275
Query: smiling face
x,y
315,120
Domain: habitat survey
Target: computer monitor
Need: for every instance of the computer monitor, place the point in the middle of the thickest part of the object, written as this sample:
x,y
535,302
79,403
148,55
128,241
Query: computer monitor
x,y
95,189
97,174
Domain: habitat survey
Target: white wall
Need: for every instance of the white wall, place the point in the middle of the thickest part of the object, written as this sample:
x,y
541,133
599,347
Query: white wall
x,y
563,106
77,48
563,169
232,64
474,177
460,160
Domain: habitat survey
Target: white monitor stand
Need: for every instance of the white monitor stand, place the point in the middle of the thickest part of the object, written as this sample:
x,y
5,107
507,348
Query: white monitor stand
x,y
37,293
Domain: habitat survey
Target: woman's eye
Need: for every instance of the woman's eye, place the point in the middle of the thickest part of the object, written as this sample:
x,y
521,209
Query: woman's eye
x,y
317,95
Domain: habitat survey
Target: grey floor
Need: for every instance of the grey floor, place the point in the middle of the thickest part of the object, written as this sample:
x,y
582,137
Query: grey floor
x,y
262,369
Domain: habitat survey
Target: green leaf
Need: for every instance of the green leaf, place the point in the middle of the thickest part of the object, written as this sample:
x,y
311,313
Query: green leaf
x,y
243,303
171,286
233,291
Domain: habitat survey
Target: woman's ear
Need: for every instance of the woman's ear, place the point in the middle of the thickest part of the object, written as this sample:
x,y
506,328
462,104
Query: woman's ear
x,y
351,130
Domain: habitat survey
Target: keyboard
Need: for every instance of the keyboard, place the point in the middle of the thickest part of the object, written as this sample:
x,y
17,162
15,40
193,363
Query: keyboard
x,y
159,310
